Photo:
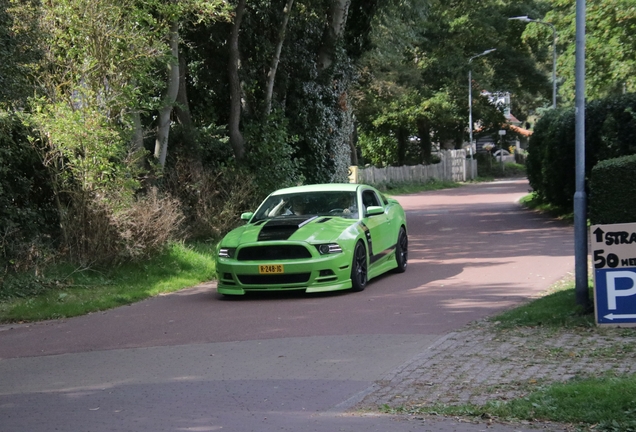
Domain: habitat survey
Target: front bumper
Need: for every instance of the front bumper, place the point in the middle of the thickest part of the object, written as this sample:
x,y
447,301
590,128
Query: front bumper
x,y
318,273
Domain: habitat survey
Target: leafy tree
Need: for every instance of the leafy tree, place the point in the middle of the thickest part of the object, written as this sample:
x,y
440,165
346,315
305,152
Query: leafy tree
x,y
414,81
95,73
609,47
311,79
172,15
19,38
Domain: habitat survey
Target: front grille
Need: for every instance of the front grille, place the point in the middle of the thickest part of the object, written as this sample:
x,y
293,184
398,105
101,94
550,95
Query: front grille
x,y
273,253
275,279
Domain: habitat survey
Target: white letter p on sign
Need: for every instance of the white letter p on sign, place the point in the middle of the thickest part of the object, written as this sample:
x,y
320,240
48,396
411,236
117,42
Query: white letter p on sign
x,y
612,292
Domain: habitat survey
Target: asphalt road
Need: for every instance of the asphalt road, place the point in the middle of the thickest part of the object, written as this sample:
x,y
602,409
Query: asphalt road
x,y
196,361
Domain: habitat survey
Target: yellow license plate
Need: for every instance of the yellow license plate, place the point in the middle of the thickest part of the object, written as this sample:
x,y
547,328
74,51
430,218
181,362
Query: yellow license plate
x,y
271,269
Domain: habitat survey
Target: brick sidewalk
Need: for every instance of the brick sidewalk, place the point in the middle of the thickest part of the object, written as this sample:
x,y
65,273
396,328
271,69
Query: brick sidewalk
x,y
482,363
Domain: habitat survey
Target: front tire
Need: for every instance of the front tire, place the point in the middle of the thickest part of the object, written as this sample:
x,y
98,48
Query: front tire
x,y
359,268
401,251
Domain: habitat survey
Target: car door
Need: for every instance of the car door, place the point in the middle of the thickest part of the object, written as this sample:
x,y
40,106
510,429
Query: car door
x,y
378,226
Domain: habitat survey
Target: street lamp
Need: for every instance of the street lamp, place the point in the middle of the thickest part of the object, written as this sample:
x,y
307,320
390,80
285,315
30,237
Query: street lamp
x,y
527,19
470,107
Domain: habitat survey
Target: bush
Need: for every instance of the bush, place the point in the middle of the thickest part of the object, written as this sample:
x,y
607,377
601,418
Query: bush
x,y
212,188
613,191
28,220
610,132
107,232
147,226
550,162
212,198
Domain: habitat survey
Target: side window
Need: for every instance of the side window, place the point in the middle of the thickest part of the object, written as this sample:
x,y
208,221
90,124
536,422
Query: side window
x,y
369,198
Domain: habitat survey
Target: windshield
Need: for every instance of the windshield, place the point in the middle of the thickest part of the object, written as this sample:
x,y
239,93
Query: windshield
x,y
332,203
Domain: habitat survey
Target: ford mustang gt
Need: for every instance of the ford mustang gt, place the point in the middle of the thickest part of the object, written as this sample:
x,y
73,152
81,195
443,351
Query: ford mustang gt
x,y
314,238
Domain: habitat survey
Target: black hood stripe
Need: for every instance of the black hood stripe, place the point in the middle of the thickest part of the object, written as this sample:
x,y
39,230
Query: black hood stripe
x,y
282,229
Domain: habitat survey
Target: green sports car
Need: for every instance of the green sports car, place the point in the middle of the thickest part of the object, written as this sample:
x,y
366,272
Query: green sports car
x,y
314,238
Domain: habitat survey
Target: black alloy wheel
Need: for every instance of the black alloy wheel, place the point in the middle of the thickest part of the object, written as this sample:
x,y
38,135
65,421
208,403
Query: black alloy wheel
x,y
359,268
402,251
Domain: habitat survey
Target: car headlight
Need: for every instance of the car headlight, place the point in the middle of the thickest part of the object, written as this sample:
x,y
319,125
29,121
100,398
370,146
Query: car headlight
x,y
329,248
226,252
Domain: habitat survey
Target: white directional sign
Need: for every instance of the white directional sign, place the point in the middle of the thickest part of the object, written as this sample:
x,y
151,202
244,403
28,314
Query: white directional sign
x,y
614,256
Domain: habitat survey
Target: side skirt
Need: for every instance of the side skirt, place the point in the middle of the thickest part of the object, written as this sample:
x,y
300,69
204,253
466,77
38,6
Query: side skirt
x,y
383,265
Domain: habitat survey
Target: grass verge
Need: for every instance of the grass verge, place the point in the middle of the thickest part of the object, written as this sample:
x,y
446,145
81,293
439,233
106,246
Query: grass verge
x,y
533,202
555,310
601,404
71,292
585,402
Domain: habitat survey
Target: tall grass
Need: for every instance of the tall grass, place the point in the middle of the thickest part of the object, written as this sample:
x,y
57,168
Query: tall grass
x,y
70,292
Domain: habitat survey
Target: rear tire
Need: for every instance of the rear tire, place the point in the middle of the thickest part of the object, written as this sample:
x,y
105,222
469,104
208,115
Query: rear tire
x,y
402,251
359,268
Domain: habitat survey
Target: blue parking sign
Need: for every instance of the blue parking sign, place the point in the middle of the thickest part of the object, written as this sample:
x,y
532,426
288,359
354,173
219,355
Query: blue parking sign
x,y
615,295
613,250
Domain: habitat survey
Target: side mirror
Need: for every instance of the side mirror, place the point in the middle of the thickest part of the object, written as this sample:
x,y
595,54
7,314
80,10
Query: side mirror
x,y
247,216
374,210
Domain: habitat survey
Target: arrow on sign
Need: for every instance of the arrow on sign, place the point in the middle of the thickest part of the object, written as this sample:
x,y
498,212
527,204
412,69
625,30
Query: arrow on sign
x,y
599,234
621,316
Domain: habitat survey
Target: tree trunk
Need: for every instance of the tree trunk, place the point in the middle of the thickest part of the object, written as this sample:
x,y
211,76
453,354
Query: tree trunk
x,y
426,146
183,106
271,75
334,31
163,128
236,137
138,134
402,138
353,139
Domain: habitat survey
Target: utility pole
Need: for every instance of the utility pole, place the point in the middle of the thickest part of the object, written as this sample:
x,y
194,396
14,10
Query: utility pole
x,y
580,196
470,107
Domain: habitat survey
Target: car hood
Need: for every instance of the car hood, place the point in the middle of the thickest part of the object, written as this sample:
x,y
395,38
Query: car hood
x,y
314,229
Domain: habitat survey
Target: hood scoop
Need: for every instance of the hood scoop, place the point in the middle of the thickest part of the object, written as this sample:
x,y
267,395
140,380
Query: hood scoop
x,y
282,229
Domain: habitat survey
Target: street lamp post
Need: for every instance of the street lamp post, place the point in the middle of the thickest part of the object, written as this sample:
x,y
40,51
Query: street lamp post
x,y
580,195
554,53
470,107
502,133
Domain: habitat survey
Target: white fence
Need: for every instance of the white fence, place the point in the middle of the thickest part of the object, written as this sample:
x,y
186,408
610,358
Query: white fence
x,y
453,167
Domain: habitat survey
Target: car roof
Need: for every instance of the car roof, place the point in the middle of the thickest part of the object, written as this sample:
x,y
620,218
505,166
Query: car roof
x,y
326,187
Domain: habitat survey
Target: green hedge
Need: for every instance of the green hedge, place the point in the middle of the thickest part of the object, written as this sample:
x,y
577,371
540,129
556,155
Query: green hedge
x,y
610,132
613,191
